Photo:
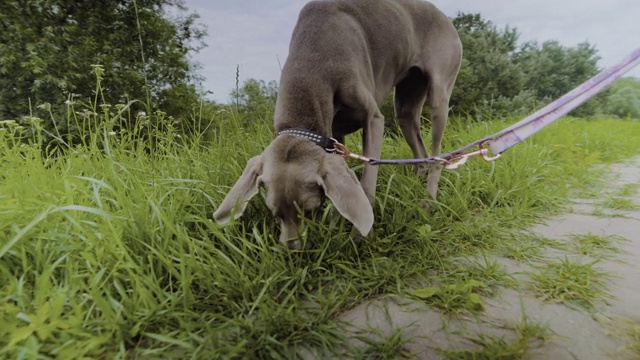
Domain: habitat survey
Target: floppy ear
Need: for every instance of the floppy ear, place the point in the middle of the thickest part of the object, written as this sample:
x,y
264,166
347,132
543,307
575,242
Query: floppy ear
x,y
343,189
243,190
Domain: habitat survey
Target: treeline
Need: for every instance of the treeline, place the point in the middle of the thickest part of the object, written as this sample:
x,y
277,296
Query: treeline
x,y
499,78
49,50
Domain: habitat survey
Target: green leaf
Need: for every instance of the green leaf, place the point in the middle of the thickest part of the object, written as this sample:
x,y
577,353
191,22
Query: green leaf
x,y
20,334
476,300
426,293
474,284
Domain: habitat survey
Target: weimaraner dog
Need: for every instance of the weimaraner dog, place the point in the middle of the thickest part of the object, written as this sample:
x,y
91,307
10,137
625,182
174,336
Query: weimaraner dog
x,y
345,57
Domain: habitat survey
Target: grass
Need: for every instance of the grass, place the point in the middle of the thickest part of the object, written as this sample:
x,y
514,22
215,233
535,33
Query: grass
x,y
526,335
390,347
628,190
620,203
592,244
570,282
527,246
458,287
634,338
108,250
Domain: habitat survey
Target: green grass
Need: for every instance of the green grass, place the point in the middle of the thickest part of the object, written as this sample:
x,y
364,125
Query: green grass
x,y
570,282
527,335
619,203
458,287
628,190
592,244
109,249
390,347
634,337
527,246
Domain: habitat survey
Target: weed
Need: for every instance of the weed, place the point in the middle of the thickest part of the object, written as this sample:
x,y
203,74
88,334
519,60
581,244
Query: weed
x,y
390,347
628,190
453,297
527,246
570,282
492,347
619,203
108,249
633,335
592,244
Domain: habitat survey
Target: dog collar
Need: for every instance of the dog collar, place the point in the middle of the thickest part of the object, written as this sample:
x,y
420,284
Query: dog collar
x,y
328,144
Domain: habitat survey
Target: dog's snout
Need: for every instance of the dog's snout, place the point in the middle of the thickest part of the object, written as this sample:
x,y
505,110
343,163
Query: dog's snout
x,y
290,234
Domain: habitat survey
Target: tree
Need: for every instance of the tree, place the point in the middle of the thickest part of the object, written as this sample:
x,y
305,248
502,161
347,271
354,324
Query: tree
x,y
487,72
624,99
47,48
551,70
500,77
256,99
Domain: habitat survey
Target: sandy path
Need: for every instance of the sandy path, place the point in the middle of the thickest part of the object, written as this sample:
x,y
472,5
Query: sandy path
x,y
577,333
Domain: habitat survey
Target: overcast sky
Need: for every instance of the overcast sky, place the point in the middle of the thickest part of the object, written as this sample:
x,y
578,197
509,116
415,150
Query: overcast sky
x,y
254,34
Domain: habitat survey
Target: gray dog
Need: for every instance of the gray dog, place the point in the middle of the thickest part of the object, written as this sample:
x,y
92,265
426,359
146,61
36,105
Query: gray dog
x,y
345,57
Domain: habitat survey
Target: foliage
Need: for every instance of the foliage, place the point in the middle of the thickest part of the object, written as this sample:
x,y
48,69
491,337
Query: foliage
x,y
499,77
624,100
109,251
255,100
487,71
552,70
47,48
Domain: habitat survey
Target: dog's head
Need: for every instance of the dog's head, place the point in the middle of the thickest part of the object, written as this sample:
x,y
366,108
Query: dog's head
x,y
297,175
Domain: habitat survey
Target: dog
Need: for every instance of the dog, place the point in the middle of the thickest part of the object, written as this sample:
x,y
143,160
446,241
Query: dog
x,y
345,57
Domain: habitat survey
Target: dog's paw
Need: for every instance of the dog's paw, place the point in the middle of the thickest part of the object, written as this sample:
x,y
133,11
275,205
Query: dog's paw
x,y
359,238
428,205
293,244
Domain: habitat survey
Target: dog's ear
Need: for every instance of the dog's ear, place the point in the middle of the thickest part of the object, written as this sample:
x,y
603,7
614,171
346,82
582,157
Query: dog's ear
x,y
343,189
244,189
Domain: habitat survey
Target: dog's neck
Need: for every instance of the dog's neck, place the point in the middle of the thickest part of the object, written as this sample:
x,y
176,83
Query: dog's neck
x,y
304,106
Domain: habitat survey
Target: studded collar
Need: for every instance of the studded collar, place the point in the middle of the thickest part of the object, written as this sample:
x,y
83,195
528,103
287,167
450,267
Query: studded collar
x,y
328,144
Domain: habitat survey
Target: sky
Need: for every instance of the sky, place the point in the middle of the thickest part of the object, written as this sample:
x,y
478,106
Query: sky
x,y
254,34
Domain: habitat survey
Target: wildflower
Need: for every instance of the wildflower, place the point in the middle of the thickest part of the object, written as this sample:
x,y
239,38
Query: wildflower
x,y
87,113
45,106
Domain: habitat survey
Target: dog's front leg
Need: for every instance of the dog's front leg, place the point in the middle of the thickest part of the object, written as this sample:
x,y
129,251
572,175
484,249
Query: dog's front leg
x,y
372,133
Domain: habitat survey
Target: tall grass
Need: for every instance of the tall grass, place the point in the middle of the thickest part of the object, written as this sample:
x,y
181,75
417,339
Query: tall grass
x,y
108,250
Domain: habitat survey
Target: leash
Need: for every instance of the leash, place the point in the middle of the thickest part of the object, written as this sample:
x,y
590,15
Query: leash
x,y
492,146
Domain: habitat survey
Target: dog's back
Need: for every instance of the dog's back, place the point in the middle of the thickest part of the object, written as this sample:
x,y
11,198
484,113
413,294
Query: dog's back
x,y
375,42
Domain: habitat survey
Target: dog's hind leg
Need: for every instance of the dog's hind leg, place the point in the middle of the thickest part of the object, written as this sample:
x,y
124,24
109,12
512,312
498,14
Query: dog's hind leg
x,y
439,94
409,98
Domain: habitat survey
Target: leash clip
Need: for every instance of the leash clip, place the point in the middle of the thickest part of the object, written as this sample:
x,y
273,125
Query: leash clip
x,y
345,153
460,159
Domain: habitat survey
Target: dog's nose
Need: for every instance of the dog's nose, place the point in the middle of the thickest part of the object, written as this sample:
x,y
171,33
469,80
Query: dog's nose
x,y
289,235
291,242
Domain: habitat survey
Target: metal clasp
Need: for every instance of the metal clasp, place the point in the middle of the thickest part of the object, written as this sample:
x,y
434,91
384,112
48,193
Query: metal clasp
x,y
459,160
344,152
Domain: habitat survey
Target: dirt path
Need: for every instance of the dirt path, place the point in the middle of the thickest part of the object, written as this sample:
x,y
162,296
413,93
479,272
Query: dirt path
x,y
575,333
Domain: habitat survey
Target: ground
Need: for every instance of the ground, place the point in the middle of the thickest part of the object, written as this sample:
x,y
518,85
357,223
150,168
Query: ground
x,y
576,300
